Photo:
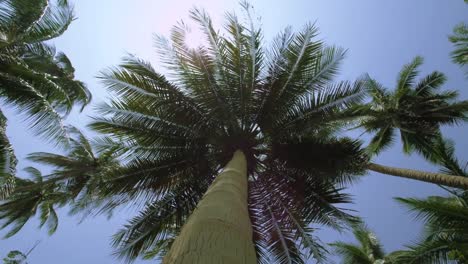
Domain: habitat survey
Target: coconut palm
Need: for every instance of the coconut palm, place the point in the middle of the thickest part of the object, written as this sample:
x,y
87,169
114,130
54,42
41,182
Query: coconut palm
x,y
212,151
368,250
82,169
31,197
18,257
15,257
416,110
34,78
73,181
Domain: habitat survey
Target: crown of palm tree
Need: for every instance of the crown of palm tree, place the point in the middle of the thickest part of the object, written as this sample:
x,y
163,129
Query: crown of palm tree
x,y
31,197
416,109
34,78
369,250
77,180
278,107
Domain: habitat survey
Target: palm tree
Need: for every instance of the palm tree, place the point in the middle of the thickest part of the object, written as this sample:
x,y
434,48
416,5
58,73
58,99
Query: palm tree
x,y
15,257
368,251
418,111
18,257
237,154
31,197
34,78
230,100
446,236
73,181
232,103
440,246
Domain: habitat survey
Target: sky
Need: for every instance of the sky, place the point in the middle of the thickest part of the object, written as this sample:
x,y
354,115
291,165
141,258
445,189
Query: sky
x,y
381,36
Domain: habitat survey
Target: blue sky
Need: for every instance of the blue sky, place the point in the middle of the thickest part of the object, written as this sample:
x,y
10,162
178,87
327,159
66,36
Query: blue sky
x,y
380,37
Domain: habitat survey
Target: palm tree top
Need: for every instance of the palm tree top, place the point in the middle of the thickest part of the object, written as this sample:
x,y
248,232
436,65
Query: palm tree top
x,y
77,180
367,251
417,108
34,77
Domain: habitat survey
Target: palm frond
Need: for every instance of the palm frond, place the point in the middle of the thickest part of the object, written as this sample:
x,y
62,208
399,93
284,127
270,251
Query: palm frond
x,y
382,139
158,222
439,211
406,77
18,15
425,252
430,83
53,23
42,116
326,107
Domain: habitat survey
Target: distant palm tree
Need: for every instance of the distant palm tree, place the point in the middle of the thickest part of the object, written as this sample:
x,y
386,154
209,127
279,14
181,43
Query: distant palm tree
x,y
368,250
74,181
30,197
18,257
417,111
15,257
34,78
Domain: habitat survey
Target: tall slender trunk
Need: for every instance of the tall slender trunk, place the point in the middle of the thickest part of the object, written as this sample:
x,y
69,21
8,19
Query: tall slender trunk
x,y
437,178
219,229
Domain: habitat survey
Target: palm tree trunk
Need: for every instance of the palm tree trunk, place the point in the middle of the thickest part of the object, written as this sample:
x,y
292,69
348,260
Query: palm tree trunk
x,y
437,178
219,229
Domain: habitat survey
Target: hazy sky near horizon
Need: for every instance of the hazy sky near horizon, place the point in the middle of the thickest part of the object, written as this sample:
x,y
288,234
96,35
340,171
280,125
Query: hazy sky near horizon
x,y
381,36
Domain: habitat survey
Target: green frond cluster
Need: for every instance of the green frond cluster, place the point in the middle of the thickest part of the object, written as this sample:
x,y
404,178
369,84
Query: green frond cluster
x,y
460,42
35,79
445,218
446,237
368,251
417,109
78,180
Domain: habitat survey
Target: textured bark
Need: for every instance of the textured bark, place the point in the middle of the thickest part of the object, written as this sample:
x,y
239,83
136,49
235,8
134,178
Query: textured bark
x,y
219,229
437,178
